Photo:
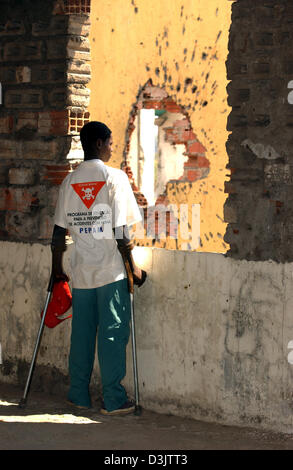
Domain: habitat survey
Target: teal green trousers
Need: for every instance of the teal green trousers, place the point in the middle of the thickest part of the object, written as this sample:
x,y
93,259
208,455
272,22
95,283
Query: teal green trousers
x,y
99,316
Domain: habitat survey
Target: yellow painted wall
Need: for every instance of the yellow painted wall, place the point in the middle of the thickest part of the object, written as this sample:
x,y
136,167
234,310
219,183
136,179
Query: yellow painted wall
x,y
130,39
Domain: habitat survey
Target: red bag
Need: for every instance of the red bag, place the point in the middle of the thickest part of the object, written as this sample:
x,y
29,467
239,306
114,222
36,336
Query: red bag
x,y
60,303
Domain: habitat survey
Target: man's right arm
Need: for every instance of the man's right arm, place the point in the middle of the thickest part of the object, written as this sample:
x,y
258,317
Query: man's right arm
x,y
125,247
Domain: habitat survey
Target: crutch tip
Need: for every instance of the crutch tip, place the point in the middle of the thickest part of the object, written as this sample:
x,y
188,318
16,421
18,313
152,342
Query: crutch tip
x,y
138,410
22,403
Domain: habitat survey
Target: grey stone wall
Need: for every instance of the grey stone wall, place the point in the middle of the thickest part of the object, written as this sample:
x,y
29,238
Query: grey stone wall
x,y
259,209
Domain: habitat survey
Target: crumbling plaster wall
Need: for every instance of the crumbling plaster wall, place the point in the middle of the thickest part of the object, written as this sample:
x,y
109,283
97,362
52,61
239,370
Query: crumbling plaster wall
x,y
212,338
182,48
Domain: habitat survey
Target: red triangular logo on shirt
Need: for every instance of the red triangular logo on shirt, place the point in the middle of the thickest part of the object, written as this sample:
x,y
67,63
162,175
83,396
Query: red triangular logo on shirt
x,y
88,191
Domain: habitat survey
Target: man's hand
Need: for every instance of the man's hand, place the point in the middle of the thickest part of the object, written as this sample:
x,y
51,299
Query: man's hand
x,y
139,276
60,275
125,246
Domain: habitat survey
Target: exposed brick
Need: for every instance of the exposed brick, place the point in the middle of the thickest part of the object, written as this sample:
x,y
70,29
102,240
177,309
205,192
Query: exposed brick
x,y
78,67
8,148
193,175
195,148
154,93
56,26
53,123
8,75
59,7
184,123
6,124
186,136
78,120
46,148
4,167
18,98
55,174
152,104
172,107
78,72
197,162
78,78
23,74
180,133
30,149
39,149
58,97
78,96
78,48
34,122
47,74
56,48
167,103
77,6
20,51
27,120
17,199
79,26
12,28
21,176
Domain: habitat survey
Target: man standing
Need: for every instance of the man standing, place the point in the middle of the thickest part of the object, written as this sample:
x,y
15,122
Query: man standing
x,y
96,205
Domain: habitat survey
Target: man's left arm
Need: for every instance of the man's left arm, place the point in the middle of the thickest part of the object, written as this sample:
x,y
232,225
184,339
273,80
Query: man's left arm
x,y
58,246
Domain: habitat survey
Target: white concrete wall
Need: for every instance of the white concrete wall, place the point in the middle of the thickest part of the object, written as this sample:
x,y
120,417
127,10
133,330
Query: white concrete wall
x,y
24,277
212,333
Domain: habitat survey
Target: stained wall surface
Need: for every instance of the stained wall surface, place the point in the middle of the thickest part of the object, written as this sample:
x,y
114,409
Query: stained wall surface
x,y
182,48
260,69
214,339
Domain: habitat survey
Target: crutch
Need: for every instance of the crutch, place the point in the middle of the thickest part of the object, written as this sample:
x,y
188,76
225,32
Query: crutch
x,y
138,408
22,402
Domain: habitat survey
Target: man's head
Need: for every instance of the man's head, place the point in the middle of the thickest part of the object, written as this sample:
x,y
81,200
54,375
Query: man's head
x,y
96,141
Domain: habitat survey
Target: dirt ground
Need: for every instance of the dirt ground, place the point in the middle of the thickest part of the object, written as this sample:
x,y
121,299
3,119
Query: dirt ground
x,y
48,423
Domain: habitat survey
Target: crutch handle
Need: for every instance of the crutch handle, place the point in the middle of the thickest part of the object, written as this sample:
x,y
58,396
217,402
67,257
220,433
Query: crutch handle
x,y
129,276
51,284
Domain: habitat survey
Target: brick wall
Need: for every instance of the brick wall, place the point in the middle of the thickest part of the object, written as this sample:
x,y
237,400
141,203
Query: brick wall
x,y
44,71
259,208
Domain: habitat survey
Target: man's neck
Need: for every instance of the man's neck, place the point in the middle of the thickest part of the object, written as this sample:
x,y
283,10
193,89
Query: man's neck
x,y
91,157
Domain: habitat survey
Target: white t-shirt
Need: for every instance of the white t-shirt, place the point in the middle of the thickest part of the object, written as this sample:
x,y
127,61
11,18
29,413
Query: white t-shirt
x,y
92,200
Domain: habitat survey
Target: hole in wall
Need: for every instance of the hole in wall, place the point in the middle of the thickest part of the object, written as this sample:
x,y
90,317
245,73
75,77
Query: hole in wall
x,y
161,146
153,159
161,151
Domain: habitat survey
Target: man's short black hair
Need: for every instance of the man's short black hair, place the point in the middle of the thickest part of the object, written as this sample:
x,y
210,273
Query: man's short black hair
x,y
91,132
